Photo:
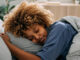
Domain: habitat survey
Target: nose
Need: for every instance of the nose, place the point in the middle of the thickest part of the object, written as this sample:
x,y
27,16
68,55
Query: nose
x,y
36,36
39,37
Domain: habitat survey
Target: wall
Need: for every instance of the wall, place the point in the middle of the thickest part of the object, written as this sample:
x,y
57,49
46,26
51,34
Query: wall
x,y
63,1
2,2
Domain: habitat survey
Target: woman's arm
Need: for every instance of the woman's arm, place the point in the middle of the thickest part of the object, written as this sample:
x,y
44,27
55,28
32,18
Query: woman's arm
x,y
20,54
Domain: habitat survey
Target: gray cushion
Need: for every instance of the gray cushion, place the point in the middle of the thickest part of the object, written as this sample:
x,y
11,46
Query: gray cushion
x,y
24,44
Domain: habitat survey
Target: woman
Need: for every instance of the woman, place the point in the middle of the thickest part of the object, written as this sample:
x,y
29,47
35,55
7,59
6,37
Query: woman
x,y
34,22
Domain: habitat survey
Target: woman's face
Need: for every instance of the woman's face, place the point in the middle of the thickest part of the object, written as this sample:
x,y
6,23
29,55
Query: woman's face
x,y
36,34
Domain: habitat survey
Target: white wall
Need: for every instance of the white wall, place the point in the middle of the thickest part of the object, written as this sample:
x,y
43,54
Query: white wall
x,y
2,2
63,1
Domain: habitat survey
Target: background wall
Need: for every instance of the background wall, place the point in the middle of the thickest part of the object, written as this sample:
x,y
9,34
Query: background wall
x,y
64,1
2,2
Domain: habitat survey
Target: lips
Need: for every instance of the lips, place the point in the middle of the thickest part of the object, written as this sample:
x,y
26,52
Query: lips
x,y
42,40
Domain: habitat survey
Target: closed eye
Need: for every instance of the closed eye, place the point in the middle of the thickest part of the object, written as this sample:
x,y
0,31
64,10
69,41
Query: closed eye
x,y
31,38
36,31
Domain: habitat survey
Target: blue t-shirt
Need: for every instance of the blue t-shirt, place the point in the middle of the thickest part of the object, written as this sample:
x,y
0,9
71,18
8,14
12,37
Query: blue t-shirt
x,y
58,41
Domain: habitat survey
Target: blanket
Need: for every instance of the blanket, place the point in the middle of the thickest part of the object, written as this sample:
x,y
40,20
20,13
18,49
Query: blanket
x,y
74,52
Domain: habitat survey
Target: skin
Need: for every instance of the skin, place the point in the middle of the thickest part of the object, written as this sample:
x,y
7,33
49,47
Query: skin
x,y
36,34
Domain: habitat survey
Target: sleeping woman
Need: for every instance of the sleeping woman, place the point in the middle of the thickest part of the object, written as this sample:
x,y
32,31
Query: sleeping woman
x,y
33,22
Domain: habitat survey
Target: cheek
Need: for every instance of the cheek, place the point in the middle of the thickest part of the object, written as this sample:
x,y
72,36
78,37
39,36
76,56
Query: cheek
x,y
28,33
44,32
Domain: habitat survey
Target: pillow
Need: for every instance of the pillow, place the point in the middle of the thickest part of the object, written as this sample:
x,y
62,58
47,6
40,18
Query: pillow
x,y
24,44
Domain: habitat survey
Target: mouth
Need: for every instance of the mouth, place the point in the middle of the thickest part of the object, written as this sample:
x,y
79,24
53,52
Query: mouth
x,y
43,40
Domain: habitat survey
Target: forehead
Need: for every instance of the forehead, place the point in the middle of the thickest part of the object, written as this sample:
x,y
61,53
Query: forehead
x,y
28,33
30,30
33,26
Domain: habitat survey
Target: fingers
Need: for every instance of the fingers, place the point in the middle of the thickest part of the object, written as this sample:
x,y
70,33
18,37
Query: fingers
x,y
4,36
1,34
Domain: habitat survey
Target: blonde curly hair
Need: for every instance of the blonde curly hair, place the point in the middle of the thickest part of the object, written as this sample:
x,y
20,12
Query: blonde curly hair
x,y
25,15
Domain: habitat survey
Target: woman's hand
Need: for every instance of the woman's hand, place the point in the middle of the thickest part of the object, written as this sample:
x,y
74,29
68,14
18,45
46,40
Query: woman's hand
x,y
5,37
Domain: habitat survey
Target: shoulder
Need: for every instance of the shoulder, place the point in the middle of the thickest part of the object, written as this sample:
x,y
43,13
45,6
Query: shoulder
x,y
59,26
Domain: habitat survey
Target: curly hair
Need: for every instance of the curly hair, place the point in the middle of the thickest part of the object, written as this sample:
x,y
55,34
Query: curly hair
x,y
25,15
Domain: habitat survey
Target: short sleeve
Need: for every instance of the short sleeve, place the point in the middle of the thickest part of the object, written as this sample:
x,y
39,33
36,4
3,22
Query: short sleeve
x,y
57,39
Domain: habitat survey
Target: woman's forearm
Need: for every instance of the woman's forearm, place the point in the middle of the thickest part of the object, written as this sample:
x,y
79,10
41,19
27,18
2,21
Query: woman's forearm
x,y
20,54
